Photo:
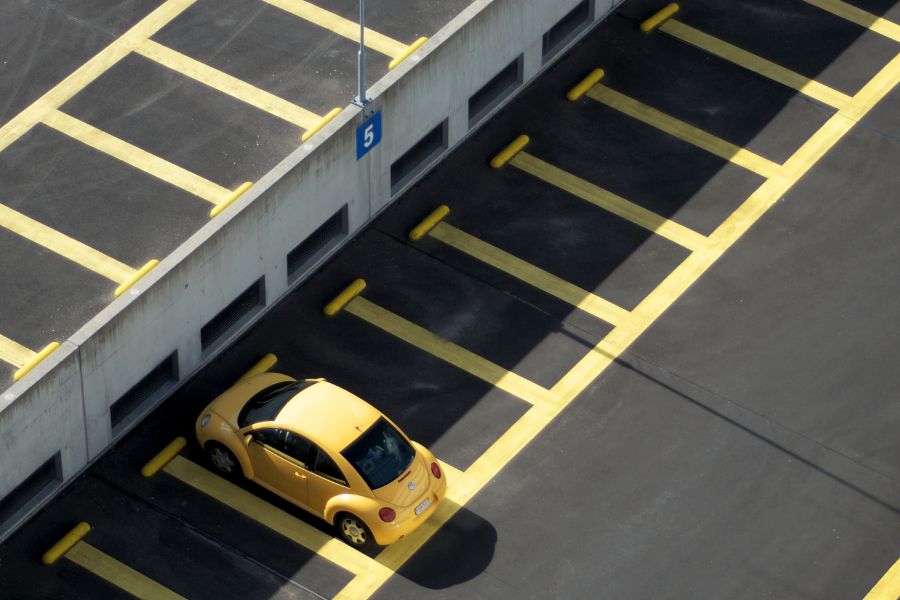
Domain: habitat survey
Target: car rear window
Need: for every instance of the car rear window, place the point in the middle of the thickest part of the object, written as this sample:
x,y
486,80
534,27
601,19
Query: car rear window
x,y
381,454
266,404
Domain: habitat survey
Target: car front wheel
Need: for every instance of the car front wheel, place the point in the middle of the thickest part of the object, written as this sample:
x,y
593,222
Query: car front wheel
x,y
222,459
354,531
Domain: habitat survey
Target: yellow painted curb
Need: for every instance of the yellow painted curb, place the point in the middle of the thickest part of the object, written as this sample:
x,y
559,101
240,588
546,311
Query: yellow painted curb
x,y
507,153
137,275
409,50
429,222
165,455
322,123
658,19
585,84
34,361
65,544
350,292
265,363
231,198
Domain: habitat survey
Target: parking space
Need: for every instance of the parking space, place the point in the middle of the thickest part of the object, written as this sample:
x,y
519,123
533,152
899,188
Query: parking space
x,y
199,98
649,342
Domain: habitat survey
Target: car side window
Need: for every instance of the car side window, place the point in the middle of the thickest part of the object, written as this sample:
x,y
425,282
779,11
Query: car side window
x,y
327,468
270,437
299,448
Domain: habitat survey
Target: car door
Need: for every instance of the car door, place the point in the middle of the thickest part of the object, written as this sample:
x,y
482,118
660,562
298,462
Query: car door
x,y
278,463
325,481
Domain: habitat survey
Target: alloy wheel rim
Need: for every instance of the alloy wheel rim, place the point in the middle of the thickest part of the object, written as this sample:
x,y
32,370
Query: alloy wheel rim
x,y
353,531
221,460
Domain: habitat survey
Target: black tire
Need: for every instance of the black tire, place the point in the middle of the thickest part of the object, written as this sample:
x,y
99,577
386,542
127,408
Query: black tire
x,y
222,460
354,531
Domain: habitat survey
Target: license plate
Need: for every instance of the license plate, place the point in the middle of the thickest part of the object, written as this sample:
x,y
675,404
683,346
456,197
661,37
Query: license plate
x,y
421,508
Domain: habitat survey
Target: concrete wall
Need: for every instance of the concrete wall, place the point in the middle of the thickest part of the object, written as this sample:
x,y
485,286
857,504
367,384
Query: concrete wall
x,y
63,405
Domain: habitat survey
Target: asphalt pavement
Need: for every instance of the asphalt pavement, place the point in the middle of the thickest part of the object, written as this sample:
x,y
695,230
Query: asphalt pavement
x,y
654,349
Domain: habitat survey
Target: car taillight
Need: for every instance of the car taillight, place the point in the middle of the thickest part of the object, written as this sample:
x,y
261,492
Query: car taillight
x,y
435,470
387,514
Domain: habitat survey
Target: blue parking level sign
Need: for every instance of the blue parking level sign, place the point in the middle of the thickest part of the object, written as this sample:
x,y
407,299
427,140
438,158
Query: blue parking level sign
x,y
368,135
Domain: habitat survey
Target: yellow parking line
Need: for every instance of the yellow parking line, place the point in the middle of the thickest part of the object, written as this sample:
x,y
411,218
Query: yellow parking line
x,y
856,15
136,157
684,131
592,366
341,26
14,353
269,516
227,84
120,575
757,64
606,200
65,246
642,316
530,274
888,587
479,474
448,351
91,70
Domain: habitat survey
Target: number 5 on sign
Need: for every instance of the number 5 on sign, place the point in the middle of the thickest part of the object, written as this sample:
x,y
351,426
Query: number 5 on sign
x,y
368,135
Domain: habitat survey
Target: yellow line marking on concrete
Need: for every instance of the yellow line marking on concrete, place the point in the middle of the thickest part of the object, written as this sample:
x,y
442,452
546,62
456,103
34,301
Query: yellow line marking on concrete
x,y
592,366
888,587
91,70
409,50
120,575
63,245
505,155
14,353
340,301
530,274
448,351
450,472
856,15
429,222
684,131
137,276
581,88
606,200
227,84
66,542
237,193
659,18
727,233
320,124
136,157
459,492
35,360
163,457
757,64
341,26
272,517
263,365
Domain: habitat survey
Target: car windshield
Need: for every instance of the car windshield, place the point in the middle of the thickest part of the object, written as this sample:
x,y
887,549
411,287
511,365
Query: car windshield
x,y
381,454
266,404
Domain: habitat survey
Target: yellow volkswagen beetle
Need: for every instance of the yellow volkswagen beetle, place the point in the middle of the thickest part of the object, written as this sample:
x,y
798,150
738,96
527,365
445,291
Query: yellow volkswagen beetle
x,y
325,450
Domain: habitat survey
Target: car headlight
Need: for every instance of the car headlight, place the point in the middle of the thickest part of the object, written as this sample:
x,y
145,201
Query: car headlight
x,y
204,420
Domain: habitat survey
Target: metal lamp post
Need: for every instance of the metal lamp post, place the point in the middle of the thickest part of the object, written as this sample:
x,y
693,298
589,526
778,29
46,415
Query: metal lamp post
x,y
361,99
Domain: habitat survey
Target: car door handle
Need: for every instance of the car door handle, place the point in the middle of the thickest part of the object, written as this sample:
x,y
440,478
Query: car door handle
x,y
299,474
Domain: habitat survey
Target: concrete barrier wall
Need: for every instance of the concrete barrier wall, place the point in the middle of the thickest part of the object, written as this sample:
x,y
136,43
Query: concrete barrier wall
x,y
63,405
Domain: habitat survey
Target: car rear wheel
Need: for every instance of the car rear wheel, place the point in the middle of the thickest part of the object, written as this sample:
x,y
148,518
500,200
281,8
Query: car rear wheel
x,y
354,531
222,459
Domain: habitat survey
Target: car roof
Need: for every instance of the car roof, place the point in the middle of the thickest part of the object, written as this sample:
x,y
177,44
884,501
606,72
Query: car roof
x,y
328,413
